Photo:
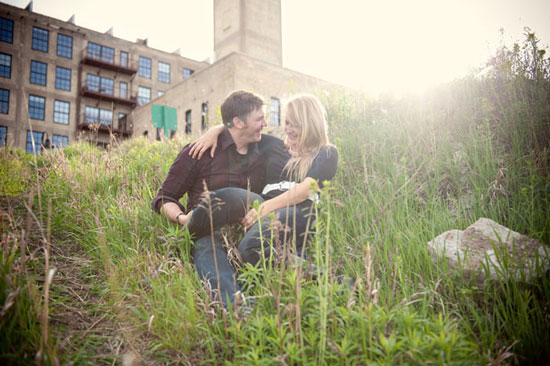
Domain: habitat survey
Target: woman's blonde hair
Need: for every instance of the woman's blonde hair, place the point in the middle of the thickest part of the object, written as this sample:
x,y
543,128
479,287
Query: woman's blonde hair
x,y
306,113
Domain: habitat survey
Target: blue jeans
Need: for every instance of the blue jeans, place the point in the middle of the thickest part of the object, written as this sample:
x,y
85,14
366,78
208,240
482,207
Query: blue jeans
x,y
296,223
228,206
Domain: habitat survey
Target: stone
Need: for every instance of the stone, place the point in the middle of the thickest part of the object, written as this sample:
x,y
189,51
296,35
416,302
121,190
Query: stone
x,y
488,249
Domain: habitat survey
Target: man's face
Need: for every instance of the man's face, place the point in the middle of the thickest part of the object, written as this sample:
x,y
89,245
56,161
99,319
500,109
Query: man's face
x,y
255,122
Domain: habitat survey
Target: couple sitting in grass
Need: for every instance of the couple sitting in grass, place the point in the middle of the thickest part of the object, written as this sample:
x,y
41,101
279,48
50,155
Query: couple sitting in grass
x,y
244,166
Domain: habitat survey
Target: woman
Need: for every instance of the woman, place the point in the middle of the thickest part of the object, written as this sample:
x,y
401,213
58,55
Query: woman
x,y
292,178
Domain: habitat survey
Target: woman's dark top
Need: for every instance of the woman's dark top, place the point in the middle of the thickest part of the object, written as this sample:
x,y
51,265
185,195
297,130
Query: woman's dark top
x,y
323,168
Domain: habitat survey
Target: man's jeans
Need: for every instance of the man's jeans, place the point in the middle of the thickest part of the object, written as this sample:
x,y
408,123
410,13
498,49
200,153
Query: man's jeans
x,y
228,206
225,206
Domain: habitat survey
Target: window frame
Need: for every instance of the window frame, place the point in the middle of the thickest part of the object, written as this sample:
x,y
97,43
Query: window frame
x,y
204,115
91,84
4,102
5,67
64,49
89,114
100,86
33,107
63,138
107,115
3,136
126,58
106,86
145,70
37,136
65,114
163,72
108,57
99,52
141,96
120,89
39,43
6,32
277,111
187,72
38,76
60,79
188,122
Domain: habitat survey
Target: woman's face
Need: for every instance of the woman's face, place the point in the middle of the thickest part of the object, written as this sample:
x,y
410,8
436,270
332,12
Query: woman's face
x,y
293,133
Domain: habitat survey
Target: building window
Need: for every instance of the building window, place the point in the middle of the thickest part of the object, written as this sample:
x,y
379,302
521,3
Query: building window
x,y
99,52
40,39
61,112
38,73
4,101
124,58
37,106
108,54
100,84
91,115
3,136
144,95
274,115
121,120
145,67
105,117
92,82
107,86
34,142
164,72
187,73
6,30
188,121
5,65
96,115
62,78
59,141
94,50
123,90
64,46
160,93
204,116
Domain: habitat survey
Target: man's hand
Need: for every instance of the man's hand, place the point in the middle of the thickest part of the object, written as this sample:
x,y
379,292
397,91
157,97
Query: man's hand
x,y
183,219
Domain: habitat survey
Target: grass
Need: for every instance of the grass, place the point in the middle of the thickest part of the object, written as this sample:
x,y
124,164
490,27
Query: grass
x,y
410,169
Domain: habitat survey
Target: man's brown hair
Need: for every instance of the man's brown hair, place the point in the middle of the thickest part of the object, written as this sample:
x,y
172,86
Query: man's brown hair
x,y
239,104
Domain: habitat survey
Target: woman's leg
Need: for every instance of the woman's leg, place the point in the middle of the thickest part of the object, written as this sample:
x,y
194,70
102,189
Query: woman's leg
x,y
293,228
228,206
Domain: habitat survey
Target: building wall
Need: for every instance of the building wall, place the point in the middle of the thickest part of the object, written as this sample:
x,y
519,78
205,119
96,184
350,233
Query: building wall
x,y
17,119
252,27
213,84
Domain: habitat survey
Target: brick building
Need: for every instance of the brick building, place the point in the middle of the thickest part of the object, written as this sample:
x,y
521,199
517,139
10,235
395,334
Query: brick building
x,y
62,82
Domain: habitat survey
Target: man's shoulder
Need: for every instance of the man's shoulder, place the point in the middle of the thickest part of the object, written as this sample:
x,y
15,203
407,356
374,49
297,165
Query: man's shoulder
x,y
184,157
269,144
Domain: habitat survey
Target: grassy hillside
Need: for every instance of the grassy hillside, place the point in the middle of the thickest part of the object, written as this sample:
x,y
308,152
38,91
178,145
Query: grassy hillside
x,y
124,287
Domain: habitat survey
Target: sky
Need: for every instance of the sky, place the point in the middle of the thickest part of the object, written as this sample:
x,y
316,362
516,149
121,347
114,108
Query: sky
x,y
375,45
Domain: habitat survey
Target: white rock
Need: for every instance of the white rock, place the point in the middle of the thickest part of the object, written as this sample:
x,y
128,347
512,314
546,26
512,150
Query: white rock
x,y
488,248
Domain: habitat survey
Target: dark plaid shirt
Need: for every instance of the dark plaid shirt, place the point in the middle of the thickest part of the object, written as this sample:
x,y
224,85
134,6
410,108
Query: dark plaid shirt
x,y
228,168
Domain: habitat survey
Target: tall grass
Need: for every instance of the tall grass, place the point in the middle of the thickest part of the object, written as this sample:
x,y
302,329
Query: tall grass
x,y
410,169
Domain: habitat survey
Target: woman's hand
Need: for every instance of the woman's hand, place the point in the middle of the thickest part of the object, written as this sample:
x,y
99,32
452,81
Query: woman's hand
x,y
252,216
206,141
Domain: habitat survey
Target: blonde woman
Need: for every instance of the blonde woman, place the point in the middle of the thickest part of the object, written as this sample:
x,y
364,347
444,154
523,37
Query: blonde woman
x,y
292,173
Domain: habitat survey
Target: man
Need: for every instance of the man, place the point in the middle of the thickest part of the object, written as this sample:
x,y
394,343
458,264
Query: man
x,y
238,162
